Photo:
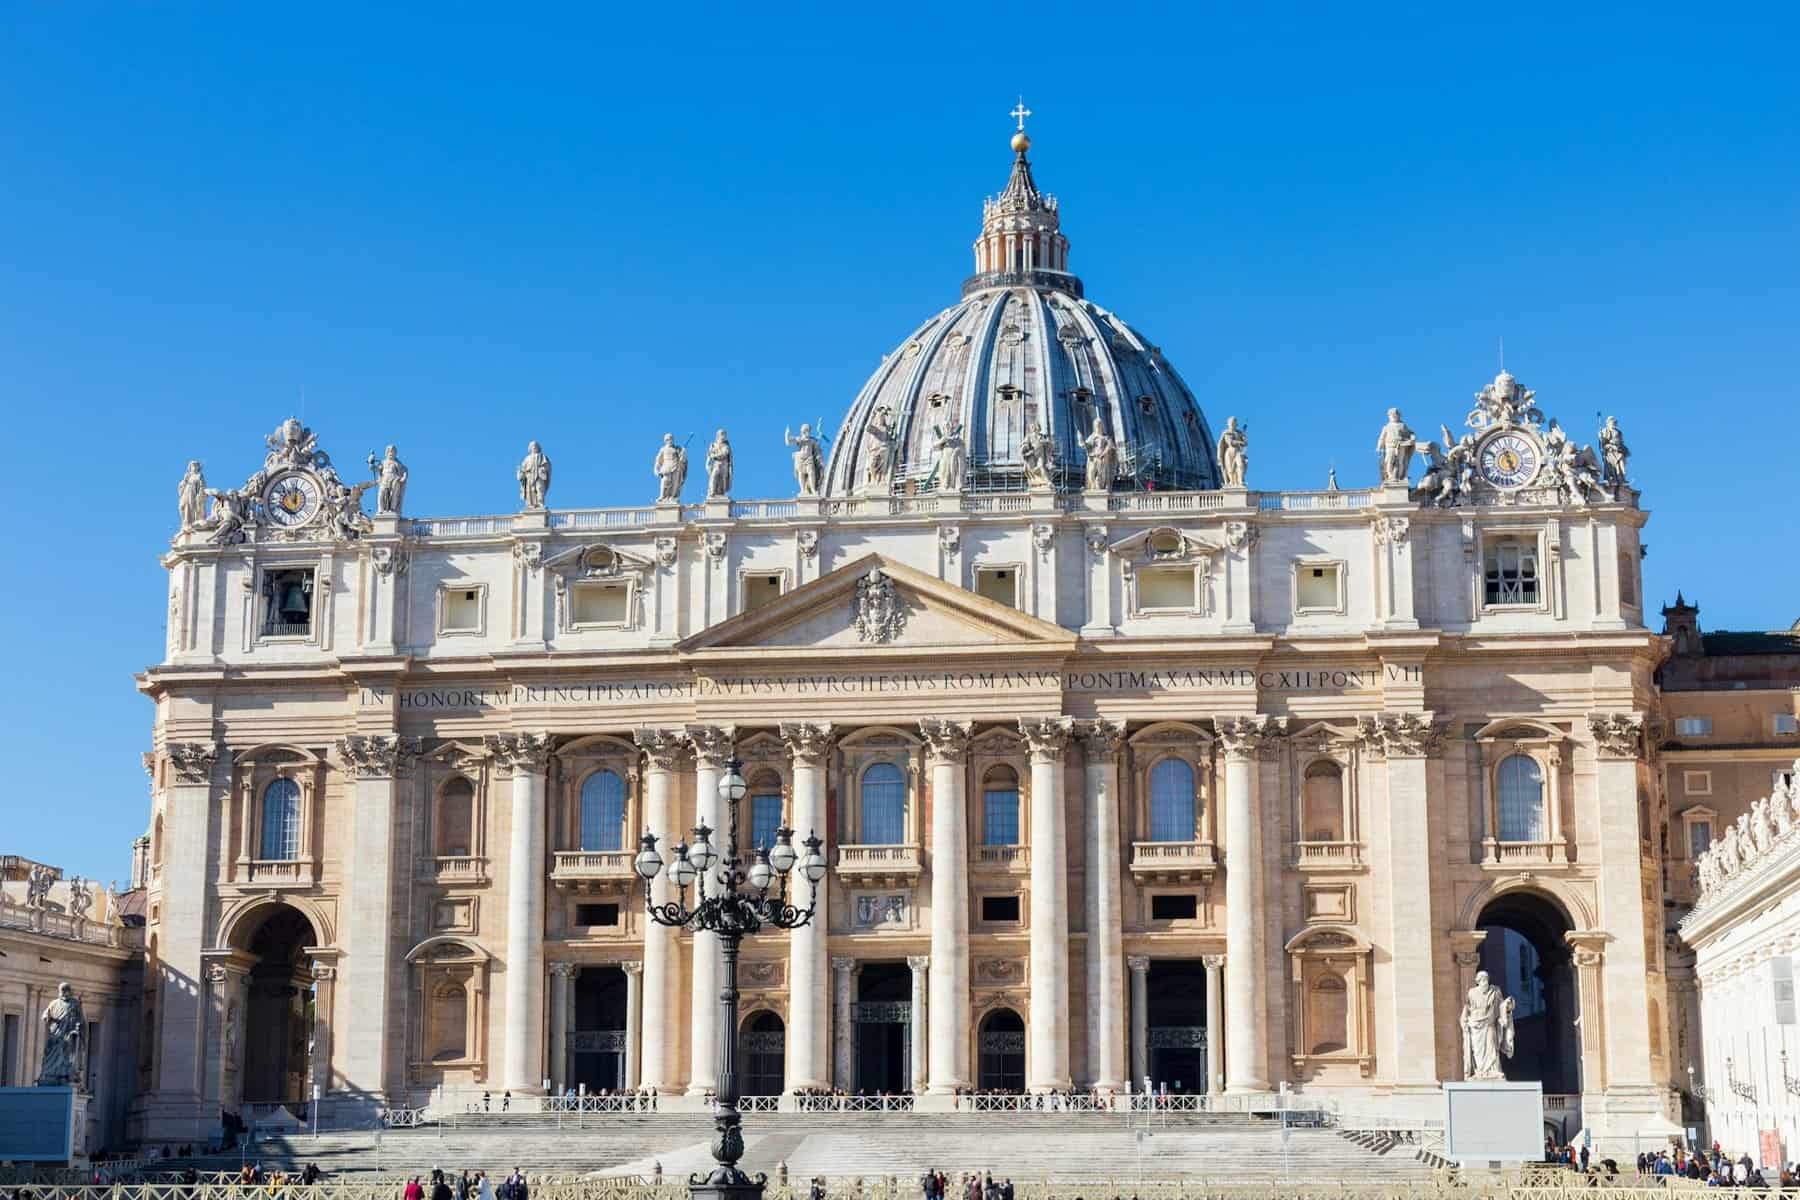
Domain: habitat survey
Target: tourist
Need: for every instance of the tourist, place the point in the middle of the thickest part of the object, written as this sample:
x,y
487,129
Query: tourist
x,y
440,1187
487,1102
413,1190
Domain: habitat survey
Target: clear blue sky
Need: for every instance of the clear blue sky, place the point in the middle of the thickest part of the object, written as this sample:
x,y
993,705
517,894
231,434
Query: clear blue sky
x,y
462,227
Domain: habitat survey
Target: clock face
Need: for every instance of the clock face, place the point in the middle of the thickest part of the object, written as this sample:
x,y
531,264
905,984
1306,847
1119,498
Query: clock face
x,y
1509,460
293,499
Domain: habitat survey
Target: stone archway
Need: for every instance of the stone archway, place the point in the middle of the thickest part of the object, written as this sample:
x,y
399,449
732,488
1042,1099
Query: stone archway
x,y
1000,1061
267,1015
1527,956
762,1054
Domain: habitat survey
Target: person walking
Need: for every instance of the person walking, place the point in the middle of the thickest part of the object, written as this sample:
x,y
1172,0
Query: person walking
x,y
413,1190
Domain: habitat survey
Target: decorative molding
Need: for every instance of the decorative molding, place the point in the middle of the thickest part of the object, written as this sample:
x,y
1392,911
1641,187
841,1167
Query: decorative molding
x,y
877,612
808,542
378,756
1243,736
1392,529
712,744
529,555
716,545
563,970
920,963
808,742
1101,739
946,740
1240,535
664,749
1138,963
192,761
528,752
1096,540
390,560
950,540
665,551
1043,536
1400,734
1047,737
632,968
1617,735
1214,962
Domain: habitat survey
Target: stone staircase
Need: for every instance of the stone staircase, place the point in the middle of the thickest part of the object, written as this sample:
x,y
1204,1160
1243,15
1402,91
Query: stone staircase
x,y
1016,1145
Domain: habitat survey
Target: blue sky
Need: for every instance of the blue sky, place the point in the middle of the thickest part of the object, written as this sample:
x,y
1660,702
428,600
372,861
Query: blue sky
x,y
460,228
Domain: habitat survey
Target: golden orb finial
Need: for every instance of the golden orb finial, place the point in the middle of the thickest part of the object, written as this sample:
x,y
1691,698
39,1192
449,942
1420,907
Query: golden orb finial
x,y
1020,143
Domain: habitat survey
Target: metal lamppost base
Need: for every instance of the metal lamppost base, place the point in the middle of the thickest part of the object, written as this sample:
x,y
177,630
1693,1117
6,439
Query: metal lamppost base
x,y
727,1183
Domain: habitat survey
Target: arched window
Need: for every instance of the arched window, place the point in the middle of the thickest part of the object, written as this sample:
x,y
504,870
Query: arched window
x,y
1000,808
1322,804
1172,801
1521,787
883,805
281,821
456,819
602,811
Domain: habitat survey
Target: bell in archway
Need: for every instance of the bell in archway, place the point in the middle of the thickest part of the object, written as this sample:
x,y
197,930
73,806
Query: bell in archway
x,y
294,607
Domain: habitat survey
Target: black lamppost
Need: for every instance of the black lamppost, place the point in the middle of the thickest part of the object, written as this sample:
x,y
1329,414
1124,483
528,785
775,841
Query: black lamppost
x,y
731,910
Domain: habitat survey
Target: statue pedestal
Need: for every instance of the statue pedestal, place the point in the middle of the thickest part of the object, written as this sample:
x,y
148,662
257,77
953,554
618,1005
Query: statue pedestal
x,y
1394,495
668,512
1237,496
531,520
1094,501
385,525
718,508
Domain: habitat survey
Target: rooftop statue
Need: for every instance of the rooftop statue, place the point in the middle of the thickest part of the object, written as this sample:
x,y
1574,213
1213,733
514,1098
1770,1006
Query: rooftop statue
x,y
390,475
63,1031
1102,458
230,515
670,469
1614,453
1504,402
949,458
718,467
1039,456
534,477
81,898
190,496
1234,452
37,887
1395,448
879,449
1487,1029
809,463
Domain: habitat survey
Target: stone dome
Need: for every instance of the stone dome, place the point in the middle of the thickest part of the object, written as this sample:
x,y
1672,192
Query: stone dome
x,y
1023,349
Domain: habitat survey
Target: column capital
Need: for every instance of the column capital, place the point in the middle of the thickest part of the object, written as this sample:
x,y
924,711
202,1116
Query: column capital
x,y
711,744
1617,735
526,751
920,963
1047,737
1214,962
322,972
1400,734
1243,736
1139,963
563,970
377,755
808,741
632,969
1101,739
192,762
946,740
1589,946
664,749
842,962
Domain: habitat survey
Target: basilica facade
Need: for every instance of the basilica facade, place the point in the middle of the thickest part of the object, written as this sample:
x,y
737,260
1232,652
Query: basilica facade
x,y
1128,773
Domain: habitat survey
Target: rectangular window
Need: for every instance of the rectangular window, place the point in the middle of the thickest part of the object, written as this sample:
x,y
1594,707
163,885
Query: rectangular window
x,y
1174,908
999,584
1699,838
461,610
1000,909
1000,826
599,603
1169,588
1318,587
1786,724
765,819
287,602
760,590
1511,571
1697,783
1693,726
596,914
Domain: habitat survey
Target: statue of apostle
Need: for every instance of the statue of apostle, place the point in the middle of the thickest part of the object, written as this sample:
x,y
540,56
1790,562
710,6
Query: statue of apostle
x,y
949,458
390,477
718,467
190,496
1234,452
809,462
1613,452
670,470
1395,448
534,477
878,440
1487,1029
64,1028
1039,456
1102,458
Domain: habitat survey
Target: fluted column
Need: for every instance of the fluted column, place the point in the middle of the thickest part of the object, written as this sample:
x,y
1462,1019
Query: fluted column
x,y
634,1022
528,755
1215,1032
843,995
1105,917
1246,1044
920,965
562,982
810,745
373,761
664,750
947,754
1047,1060
712,747
1140,1019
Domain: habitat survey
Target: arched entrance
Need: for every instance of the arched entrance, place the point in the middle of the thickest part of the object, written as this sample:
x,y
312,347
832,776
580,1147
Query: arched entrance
x,y
275,1025
762,1054
1177,1025
1527,958
881,1020
1000,1066
597,1042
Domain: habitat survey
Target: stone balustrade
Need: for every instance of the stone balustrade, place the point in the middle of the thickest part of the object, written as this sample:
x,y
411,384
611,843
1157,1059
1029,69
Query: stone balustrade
x,y
458,869
1004,857
856,863
71,928
592,870
1506,855
1327,855
1173,862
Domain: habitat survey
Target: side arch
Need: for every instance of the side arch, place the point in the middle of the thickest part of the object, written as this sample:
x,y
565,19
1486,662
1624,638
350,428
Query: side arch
x,y
242,917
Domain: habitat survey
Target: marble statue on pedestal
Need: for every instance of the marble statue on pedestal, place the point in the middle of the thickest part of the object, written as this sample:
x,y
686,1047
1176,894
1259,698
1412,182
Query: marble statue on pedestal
x,y
1613,453
37,887
390,476
231,513
1395,448
670,469
879,437
1102,458
809,463
81,898
1039,456
191,497
1487,1029
534,477
64,1028
1234,452
718,467
949,458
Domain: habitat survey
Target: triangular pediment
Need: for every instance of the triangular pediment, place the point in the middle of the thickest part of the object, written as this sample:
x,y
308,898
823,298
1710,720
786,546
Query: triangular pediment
x,y
876,605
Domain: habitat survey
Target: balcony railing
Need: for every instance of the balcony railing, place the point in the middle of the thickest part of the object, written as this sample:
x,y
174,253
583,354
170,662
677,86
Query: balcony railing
x,y
464,869
1173,862
1327,855
592,870
883,862
274,871
1003,857
1514,854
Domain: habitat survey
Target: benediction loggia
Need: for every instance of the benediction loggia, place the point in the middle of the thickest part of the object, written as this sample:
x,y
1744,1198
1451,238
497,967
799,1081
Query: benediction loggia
x,y
1127,771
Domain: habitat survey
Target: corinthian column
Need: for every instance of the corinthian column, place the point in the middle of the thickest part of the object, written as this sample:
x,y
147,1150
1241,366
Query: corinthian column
x,y
1047,1064
1105,920
373,761
915,1037
810,745
528,755
663,752
1247,1045
634,1022
1215,1032
947,754
712,747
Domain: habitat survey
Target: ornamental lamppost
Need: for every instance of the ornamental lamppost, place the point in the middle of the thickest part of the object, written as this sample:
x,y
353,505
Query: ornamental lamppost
x,y
732,911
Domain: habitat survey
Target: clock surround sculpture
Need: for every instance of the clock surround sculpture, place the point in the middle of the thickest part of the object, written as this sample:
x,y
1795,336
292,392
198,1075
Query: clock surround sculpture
x,y
732,911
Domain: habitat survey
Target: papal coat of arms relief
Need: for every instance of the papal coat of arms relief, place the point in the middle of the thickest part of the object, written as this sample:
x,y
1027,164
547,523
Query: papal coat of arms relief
x,y
877,612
